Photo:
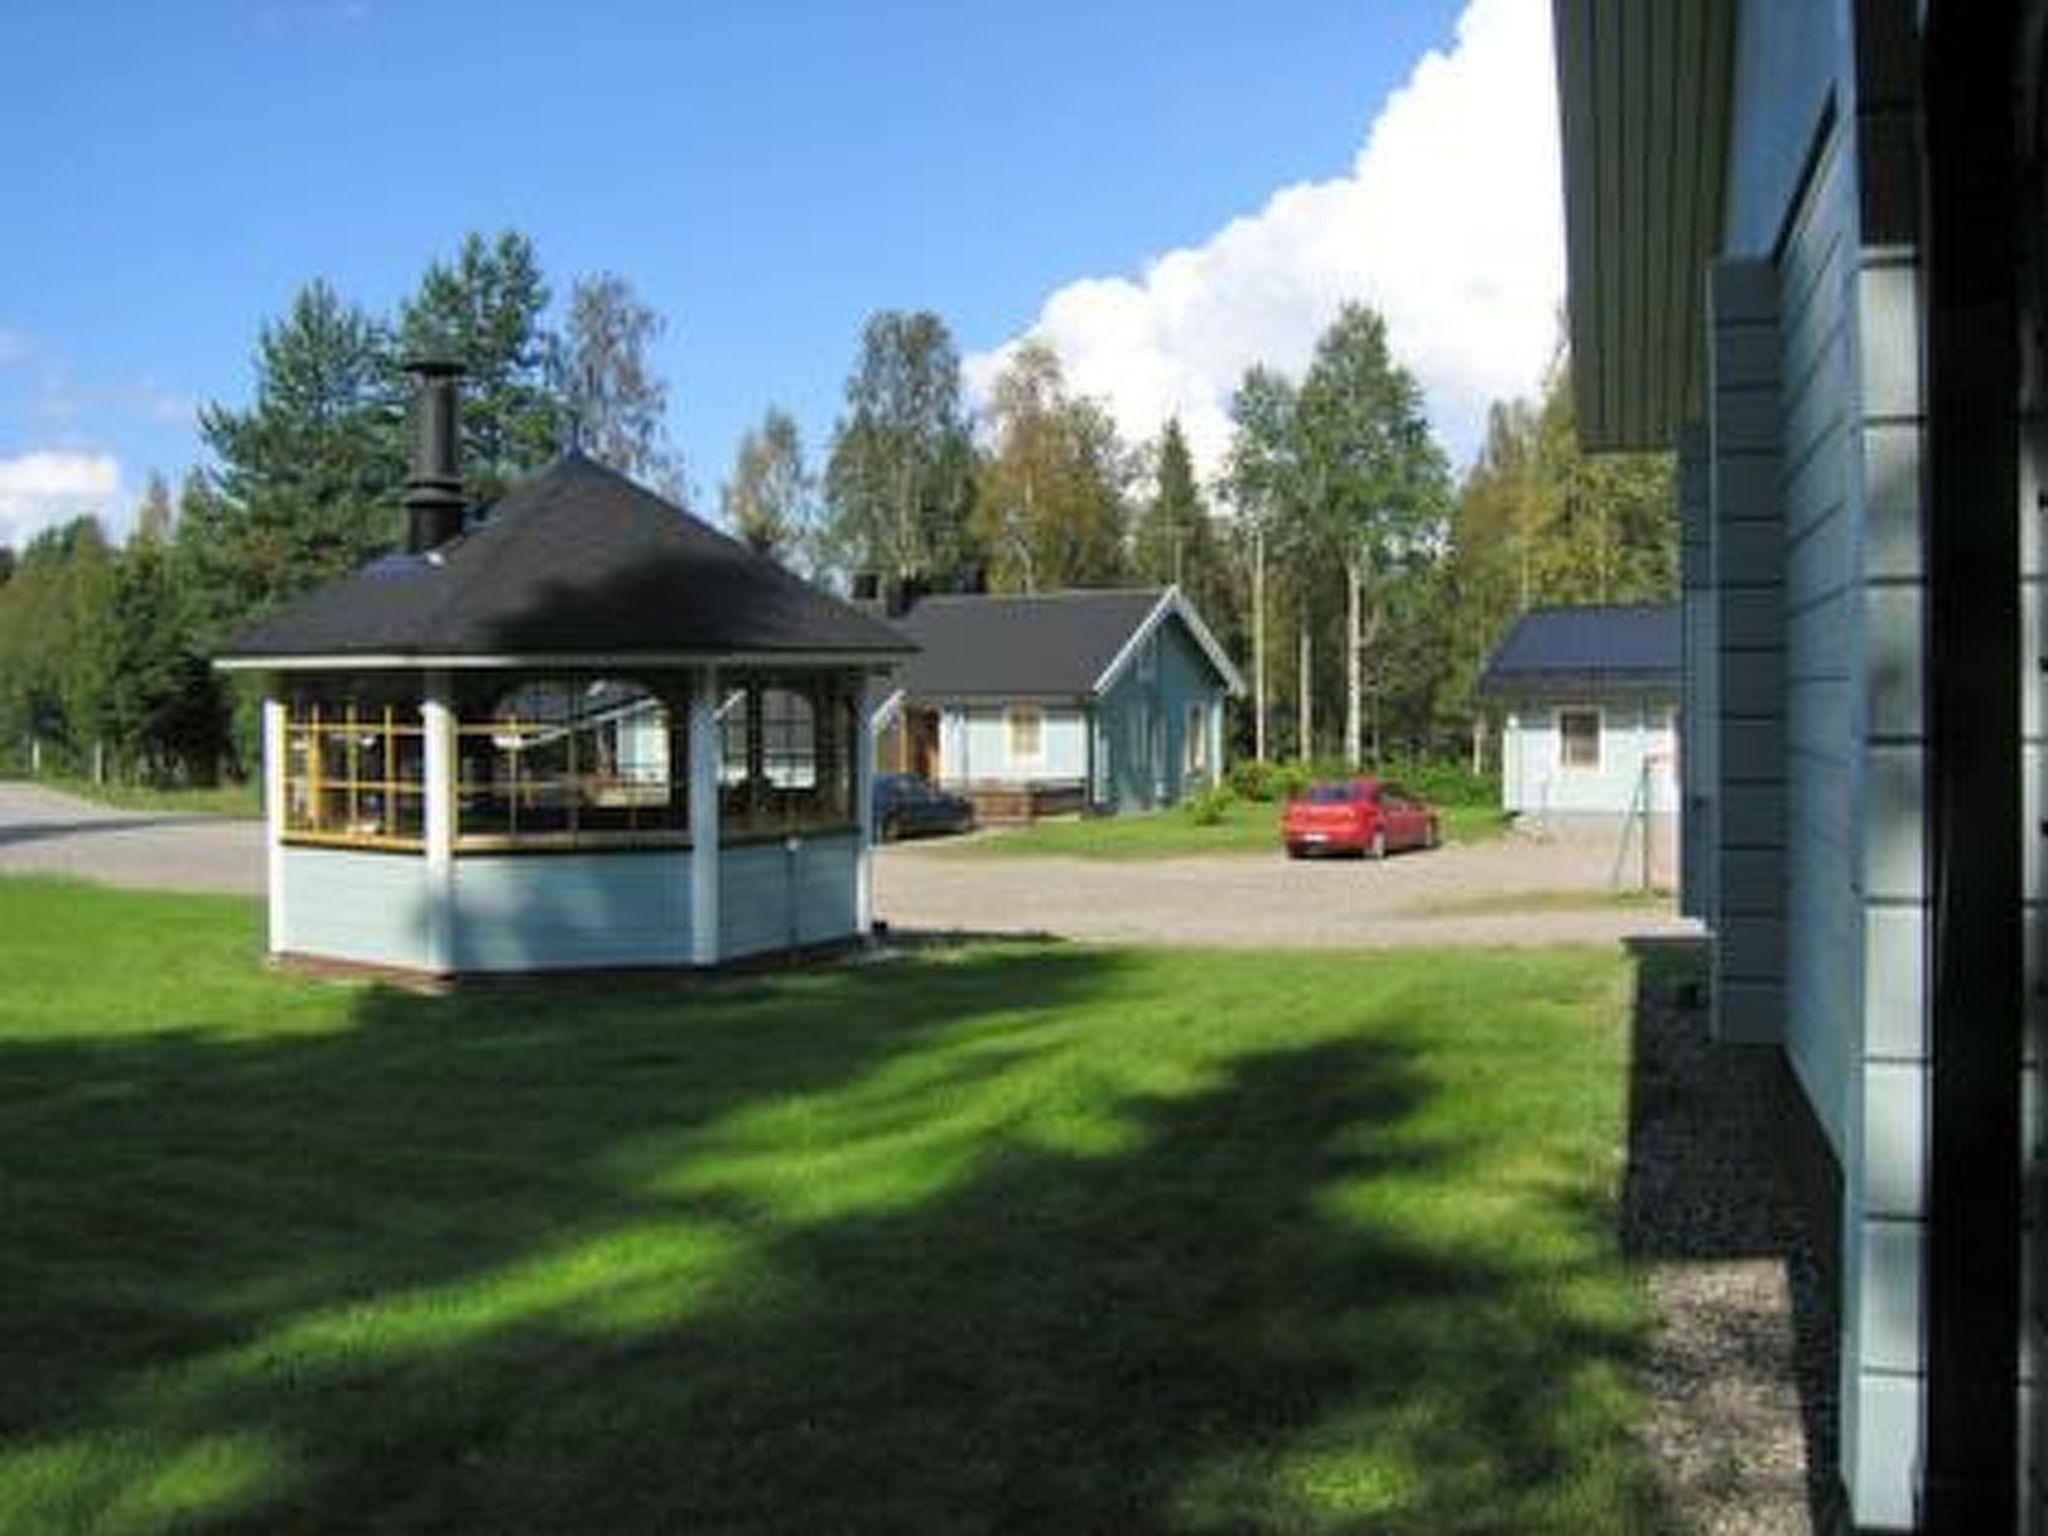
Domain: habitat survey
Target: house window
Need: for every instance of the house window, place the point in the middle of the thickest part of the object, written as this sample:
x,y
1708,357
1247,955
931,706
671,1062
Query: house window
x,y
569,762
1196,742
1024,729
786,755
354,771
1578,738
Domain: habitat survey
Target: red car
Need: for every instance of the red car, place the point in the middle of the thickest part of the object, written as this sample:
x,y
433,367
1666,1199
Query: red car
x,y
1359,815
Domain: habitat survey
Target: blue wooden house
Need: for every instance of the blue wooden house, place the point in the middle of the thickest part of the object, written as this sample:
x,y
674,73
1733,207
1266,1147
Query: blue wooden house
x,y
1030,705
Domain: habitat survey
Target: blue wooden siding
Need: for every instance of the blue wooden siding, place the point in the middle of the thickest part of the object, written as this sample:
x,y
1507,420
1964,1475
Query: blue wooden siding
x,y
773,896
1144,721
1822,773
536,912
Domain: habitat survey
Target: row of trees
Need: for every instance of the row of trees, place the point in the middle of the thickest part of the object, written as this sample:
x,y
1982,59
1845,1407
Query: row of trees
x,y
103,649
1333,537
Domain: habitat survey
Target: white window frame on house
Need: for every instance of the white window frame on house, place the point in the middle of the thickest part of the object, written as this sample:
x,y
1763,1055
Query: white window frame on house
x,y
1565,761
1024,734
1195,744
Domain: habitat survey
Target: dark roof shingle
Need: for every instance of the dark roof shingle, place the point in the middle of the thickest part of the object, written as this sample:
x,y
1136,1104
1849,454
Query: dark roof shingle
x,y
1634,645
1052,645
576,561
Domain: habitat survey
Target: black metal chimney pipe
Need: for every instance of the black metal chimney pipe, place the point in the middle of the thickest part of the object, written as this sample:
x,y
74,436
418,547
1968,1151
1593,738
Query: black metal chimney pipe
x,y
433,492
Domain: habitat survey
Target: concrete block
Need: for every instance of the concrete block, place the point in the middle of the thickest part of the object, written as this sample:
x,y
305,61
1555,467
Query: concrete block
x,y
1753,884
1894,1138
1893,661
1748,1013
1740,290
1894,540
1894,857
1883,1458
1888,333
1890,1333
1751,618
1895,982
1752,815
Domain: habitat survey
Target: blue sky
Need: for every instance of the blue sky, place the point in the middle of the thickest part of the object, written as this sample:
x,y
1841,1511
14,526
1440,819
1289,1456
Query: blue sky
x,y
765,176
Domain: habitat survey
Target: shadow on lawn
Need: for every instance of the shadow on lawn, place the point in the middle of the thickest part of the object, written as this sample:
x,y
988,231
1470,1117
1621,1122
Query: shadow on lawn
x,y
1174,1329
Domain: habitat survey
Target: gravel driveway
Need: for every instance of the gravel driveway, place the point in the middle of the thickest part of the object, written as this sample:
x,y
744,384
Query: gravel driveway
x,y
1514,891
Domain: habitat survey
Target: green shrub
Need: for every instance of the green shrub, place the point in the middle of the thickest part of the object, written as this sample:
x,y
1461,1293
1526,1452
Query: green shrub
x,y
1208,807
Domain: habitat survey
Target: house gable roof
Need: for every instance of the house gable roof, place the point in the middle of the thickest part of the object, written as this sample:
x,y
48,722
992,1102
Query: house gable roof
x,y
1049,645
577,561
1633,646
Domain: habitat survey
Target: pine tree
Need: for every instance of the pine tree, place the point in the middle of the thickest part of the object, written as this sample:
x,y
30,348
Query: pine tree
x,y
484,310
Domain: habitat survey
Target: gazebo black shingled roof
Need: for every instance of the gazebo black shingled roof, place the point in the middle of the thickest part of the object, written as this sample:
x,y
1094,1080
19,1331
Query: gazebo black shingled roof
x,y
577,561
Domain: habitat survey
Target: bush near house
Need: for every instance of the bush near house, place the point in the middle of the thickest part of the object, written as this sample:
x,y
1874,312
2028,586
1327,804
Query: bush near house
x,y
1010,1237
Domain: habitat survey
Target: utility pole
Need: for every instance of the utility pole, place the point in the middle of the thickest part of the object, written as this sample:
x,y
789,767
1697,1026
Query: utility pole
x,y
1259,641
1306,703
1353,743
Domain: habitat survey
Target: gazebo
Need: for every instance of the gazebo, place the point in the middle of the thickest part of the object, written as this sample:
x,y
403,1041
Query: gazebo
x,y
589,731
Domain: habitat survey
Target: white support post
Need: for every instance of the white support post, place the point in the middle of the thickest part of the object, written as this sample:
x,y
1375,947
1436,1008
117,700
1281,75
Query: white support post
x,y
273,820
437,724
704,843
864,805
1213,724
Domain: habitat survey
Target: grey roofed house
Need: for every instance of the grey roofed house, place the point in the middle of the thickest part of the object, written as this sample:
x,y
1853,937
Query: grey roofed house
x,y
1058,701
1598,646
1588,700
588,732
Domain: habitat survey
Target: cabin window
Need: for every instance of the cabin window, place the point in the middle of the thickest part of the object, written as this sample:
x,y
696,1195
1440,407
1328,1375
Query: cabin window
x,y
1578,738
354,771
786,755
1196,748
570,762
1024,730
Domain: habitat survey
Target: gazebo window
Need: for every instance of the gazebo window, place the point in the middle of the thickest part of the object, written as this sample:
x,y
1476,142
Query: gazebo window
x,y
570,762
786,755
354,771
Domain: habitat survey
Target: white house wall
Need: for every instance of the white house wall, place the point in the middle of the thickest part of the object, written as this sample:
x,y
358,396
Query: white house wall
x,y
1535,783
974,747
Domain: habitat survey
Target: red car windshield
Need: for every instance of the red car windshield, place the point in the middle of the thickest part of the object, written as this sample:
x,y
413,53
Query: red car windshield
x,y
1341,794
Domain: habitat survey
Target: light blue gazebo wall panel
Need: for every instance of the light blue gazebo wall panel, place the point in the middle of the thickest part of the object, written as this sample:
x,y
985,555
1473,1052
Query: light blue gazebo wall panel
x,y
346,904
549,911
771,896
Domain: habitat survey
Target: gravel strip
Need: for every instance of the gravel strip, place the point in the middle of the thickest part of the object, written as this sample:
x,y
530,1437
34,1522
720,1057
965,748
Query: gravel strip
x,y
1741,1386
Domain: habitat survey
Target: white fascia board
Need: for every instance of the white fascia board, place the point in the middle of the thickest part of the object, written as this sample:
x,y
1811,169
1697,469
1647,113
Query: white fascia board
x,y
1171,601
584,662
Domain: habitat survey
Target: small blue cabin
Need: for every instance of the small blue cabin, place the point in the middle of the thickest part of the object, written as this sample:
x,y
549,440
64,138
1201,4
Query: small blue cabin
x,y
586,731
1036,704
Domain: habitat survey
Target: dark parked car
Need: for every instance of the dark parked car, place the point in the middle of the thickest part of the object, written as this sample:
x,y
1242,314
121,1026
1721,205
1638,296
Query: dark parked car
x,y
906,806
1360,816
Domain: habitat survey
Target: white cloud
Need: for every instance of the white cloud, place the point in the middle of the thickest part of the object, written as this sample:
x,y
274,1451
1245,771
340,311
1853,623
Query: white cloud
x,y
46,487
14,346
1450,223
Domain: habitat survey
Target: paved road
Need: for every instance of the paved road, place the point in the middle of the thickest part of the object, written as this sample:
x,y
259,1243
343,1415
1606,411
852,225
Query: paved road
x,y
1510,892
47,833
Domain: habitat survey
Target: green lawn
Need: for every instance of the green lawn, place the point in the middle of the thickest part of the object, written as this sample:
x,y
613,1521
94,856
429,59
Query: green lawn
x,y
1023,1238
1248,826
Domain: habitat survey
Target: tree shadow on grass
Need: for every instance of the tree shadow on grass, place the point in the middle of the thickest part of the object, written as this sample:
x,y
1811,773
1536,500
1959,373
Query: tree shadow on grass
x,y
1174,1314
